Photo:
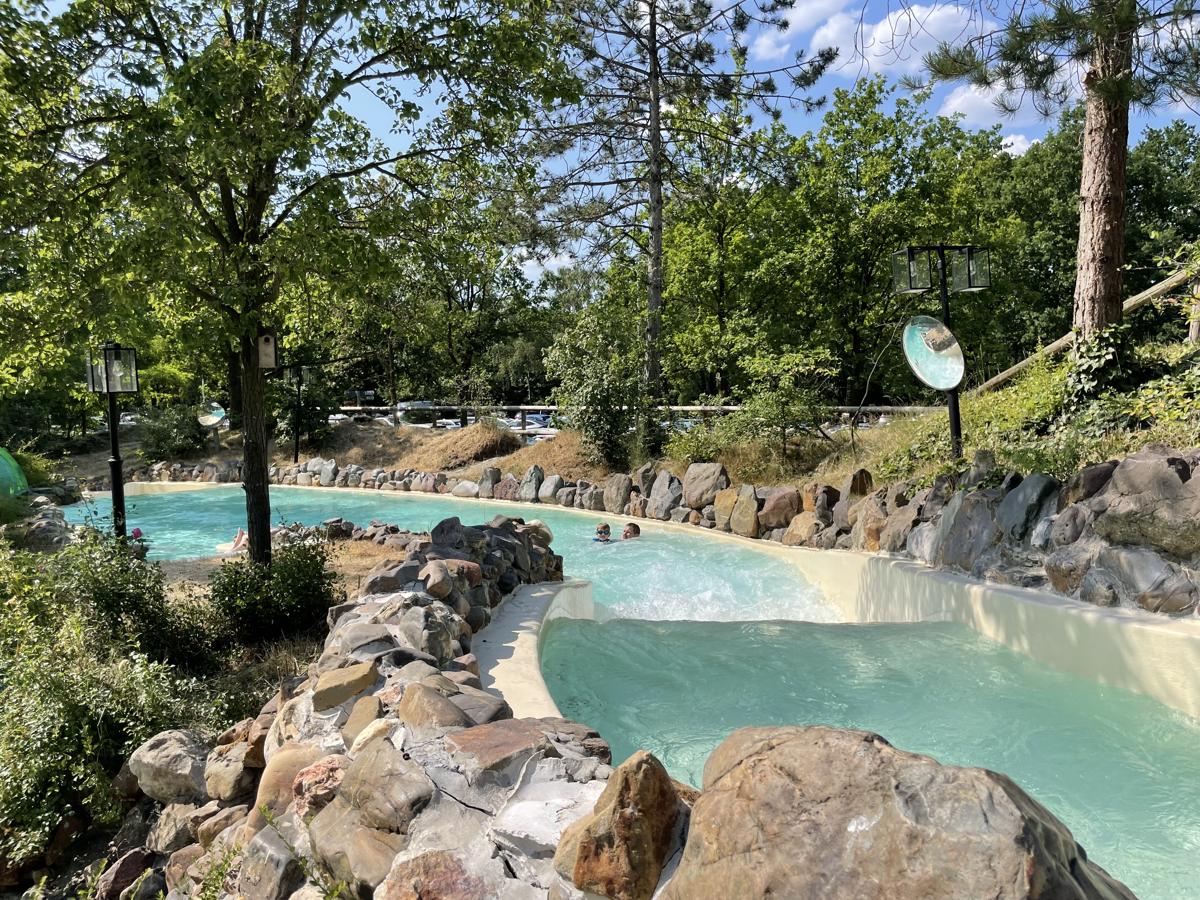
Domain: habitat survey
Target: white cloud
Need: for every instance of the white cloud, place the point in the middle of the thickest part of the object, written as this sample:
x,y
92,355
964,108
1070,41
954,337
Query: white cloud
x,y
772,44
1017,144
977,106
898,42
533,268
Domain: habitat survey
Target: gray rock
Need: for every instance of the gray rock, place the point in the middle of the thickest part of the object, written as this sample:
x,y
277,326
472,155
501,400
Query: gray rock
x,y
966,531
467,489
270,870
743,519
1151,582
226,775
531,483
922,542
487,484
548,492
1151,501
1067,566
1020,508
386,787
1086,483
1069,525
858,483
354,853
665,495
566,496
701,483
170,766
329,473
173,828
882,822
899,525
644,478
617,488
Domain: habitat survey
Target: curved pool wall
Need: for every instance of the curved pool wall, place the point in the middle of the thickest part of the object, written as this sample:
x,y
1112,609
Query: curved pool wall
x,y
1137,651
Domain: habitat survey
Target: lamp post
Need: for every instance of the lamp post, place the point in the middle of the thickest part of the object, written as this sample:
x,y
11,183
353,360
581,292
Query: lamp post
x,y
959,266
114,372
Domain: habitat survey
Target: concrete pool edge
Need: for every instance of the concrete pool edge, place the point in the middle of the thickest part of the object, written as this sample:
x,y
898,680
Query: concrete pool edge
x,y
1142,652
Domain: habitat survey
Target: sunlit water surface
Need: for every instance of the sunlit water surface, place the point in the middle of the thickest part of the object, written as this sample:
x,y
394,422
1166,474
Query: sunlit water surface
x,y
709,635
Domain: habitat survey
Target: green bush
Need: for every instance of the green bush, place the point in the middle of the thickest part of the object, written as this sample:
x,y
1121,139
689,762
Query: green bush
x,y
38,469
171,433
291,596
75,701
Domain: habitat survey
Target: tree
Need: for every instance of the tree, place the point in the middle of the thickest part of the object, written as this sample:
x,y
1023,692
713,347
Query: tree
x,y
651,78
1131,52
221,129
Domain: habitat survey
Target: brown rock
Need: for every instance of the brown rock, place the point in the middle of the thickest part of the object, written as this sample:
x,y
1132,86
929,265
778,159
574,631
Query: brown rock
x,y
226,775
121,874
339,685
256,737
438,580
436,875
723,505
364,711
179,863
780,506
314,786
619,849
816,496
744,518
803,528
275,788
497,745
208,830
824,812
423,706
387,787
354,853
869,518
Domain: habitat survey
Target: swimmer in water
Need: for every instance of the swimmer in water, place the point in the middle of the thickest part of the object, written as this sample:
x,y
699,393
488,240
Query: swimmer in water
x,y
603,534
631,531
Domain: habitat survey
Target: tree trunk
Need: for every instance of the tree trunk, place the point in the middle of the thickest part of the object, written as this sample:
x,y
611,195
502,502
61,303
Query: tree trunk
x,y
254,452
654,287
233,362
1101,250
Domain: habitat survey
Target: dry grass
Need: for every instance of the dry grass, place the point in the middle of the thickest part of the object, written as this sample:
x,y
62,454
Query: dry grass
x,y
368,444
447,451
870,447
562,455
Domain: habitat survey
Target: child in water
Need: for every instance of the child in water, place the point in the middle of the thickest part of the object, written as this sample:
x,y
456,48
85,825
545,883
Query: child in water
x,y
603,534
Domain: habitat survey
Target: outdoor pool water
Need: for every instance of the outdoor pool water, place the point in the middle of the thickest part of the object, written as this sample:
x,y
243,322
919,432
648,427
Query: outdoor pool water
x,y
708,635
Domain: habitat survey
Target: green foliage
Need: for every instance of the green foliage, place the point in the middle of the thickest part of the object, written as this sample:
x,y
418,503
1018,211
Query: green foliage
x,y
291,596
171,433
597,363
39,470
317,401
12,509
75,701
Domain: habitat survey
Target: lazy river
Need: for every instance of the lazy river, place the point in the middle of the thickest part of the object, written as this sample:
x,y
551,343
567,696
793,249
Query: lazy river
x,y
702,636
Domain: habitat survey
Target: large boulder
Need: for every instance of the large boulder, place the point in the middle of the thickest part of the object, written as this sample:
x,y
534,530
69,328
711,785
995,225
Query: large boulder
x,y
169,767
531,483
869,517
508,488
1146,579
1151,501
619,849
899,525
548,492
723,504
967,530
617,488
823,812
802,529
779,506
743,519
487,484
466,489
665,494
701,483
1086,483
1034,497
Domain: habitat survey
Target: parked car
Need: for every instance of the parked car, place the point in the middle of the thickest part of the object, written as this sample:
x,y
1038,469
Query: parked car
x,y
130,418
338,418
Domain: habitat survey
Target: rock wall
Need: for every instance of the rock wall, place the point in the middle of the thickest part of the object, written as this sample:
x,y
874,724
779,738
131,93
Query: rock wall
x,y
387,772
1116,533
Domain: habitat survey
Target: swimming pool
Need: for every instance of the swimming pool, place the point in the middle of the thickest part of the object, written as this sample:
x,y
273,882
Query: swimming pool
x,y
708,635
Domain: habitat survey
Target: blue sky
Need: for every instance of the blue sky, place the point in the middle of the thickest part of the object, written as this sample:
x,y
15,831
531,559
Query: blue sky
x,y
880,36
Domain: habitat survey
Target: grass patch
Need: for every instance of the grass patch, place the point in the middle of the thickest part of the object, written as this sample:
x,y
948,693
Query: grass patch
x,y
446,451
564,454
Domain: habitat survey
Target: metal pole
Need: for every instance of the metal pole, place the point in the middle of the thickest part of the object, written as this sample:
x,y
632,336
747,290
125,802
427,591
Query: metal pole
x,y
296,436
114,465
952,394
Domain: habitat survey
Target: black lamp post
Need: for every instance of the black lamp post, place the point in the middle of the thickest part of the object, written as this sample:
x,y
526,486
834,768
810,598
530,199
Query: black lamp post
x,y
961,268
114,372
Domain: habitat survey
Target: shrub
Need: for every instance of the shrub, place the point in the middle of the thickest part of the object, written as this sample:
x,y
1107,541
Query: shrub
x,y
38,469
75,701
288,597
171,433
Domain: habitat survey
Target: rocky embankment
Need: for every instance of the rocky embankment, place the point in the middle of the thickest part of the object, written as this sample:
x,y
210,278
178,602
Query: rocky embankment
x,y
388,773
1118,533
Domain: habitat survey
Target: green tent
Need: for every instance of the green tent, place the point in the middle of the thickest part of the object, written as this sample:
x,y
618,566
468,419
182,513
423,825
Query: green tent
x,y
12,479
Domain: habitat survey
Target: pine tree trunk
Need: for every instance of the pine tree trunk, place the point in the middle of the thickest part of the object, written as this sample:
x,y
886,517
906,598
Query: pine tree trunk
x,y
254,452
1194,314
1101,250
654,291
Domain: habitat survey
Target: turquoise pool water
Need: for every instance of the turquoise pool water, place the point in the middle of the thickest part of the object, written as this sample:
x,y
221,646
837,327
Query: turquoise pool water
x,y
709,635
